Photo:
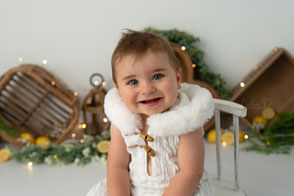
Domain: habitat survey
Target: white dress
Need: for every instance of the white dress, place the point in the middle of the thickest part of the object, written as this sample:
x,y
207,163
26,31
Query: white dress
x,y
192,109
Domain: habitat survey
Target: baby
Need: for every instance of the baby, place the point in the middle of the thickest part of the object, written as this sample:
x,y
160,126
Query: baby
x,y
157,145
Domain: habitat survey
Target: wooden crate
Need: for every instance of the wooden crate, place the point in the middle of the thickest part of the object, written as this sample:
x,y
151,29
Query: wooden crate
x,y
33,100
270,84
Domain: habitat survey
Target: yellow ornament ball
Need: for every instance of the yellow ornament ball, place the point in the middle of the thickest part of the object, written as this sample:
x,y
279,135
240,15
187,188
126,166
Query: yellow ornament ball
x,y
241,136
259,119
228,138
268,113
211,137
29,138
4,155
43,142
103,146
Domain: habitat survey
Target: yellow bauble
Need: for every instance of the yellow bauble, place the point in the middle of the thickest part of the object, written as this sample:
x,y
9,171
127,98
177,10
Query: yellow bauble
x,y
268,113
211,137
43,142
259,119
241,136
103,146
28,137
228,138
4,155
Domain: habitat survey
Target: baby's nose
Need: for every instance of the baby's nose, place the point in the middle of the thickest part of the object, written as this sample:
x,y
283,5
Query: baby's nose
x,y
147,89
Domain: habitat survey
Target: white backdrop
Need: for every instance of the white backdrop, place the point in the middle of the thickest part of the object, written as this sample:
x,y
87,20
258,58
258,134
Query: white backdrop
x,y
77,37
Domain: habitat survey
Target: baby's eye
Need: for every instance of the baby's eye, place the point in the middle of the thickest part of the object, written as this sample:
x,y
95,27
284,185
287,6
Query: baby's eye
x,y
133,82
157,76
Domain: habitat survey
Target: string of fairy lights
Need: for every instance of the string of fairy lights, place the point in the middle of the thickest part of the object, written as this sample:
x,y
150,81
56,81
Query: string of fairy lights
x,y
44,62
103,83
82,126
96,82
183,48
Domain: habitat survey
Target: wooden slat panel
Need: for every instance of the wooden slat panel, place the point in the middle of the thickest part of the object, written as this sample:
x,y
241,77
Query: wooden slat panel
x,y
30,103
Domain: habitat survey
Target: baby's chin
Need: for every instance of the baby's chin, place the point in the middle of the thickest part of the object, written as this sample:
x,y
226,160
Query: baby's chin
x,y
151,113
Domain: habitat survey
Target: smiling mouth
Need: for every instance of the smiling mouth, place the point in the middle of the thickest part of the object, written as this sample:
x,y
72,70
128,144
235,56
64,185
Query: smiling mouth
x,y
150,101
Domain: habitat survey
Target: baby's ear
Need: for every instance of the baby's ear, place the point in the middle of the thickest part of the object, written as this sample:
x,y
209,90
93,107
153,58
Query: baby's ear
x,y
179,78
115,85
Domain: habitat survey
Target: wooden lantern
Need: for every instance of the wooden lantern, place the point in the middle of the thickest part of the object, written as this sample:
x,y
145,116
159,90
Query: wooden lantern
x,y
187,76
33,100
93,105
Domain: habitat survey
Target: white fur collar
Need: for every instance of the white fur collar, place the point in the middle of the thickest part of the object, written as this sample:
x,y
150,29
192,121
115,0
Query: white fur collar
x,y
192,110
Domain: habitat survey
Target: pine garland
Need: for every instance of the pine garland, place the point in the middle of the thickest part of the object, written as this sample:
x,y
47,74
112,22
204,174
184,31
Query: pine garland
x,y
277,137
68,152
201,71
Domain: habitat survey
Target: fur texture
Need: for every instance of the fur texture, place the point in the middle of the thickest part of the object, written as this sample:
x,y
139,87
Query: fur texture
x,y
193,108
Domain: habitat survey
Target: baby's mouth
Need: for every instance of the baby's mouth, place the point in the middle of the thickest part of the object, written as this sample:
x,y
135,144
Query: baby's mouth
x,y
155,100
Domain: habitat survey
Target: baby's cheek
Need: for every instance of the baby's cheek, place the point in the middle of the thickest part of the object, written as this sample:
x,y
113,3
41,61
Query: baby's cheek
x,y
172,93
172,86
132,102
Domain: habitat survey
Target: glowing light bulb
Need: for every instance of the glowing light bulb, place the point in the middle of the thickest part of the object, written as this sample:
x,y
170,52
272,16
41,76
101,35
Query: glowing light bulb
x,y
53,83
30,166
193,65
44,61
246,137
224,144
73,135
80,126
242,84
20,59
82,141
183,48
84,125
105,119
76,94
96,82
103,83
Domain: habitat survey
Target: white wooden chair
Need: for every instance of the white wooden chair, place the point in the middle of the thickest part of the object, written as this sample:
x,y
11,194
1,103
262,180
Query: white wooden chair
x,y
222,187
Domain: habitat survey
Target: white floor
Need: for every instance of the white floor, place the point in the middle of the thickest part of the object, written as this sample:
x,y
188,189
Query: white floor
x,y
260,175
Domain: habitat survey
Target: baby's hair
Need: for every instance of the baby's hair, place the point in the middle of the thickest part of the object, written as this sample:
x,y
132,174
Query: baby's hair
x,y
138,43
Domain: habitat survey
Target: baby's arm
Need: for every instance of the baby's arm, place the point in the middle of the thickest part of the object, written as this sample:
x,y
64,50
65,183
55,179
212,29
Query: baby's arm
x,y
191,163
118,182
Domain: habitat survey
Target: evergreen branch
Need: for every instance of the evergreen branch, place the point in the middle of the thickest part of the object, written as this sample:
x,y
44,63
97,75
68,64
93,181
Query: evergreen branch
x,y
278,136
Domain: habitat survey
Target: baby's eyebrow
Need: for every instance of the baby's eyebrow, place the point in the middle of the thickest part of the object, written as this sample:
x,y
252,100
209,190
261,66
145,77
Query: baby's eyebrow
x,y
128,77
160,69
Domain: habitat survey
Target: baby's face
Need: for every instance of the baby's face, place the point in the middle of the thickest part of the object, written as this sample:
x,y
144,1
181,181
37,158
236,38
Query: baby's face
x,y
147,85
